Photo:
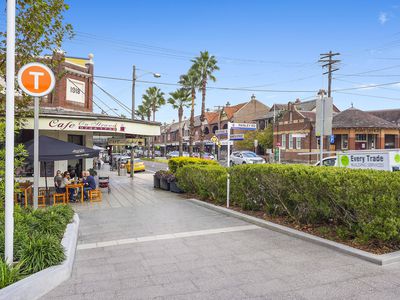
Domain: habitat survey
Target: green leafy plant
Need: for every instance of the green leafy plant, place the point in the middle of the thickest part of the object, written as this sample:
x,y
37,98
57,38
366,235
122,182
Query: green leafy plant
x,y
41,252
178,162
9,273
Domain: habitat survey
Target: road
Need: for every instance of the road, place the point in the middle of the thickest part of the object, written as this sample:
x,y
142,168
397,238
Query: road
x,y
152,166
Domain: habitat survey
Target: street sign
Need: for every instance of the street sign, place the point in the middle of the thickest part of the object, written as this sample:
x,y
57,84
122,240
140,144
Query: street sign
x,y
237,137
214,139
255,143
332,139
36,79
244,126
324,115
299,135
221,132
225,143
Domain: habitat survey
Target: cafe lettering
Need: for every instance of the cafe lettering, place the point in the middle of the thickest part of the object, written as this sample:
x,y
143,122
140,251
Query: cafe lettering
x,y
86,125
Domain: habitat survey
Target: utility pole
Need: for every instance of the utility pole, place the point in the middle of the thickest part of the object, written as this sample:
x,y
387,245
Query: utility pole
x,y
133,91
328,61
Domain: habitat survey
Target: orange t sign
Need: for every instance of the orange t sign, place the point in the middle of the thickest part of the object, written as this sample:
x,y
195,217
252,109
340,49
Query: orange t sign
x,y
36,79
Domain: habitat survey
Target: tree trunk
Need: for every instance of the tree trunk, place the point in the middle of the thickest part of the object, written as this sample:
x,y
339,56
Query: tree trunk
x,y
191,130
180,114
203,115
148,141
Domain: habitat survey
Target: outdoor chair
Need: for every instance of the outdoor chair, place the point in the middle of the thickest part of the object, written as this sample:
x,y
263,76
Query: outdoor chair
x,y
42,198
95,195
59,198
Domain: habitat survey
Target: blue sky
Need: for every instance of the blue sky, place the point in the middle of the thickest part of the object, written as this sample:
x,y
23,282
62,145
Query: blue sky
x,y
259,44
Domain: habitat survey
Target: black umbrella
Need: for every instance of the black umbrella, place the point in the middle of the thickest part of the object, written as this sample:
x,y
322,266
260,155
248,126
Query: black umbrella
x,y
51,149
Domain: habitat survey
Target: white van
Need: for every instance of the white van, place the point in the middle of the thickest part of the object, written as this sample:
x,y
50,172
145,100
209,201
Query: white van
x,y
384,161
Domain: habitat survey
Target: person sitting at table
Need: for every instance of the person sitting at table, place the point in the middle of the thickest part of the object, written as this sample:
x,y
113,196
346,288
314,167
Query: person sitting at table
x,y
66,181
58,182
88,183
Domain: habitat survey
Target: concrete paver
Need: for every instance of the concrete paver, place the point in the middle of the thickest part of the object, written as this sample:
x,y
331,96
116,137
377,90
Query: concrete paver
x,y
255,264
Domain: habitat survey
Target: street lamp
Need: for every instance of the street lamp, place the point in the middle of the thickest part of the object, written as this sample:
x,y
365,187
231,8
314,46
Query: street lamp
x,y
155,75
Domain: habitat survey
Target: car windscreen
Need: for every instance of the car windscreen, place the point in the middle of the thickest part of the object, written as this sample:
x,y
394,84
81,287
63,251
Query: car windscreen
x,y
249,154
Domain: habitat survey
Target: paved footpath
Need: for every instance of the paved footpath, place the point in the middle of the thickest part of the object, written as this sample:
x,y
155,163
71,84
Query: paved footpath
x,y
143,244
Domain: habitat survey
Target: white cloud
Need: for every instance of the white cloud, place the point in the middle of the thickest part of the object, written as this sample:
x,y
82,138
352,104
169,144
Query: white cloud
x,y
383,18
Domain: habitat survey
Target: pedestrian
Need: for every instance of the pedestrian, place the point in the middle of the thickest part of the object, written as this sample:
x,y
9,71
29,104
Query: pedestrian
x,y
88,183
58,182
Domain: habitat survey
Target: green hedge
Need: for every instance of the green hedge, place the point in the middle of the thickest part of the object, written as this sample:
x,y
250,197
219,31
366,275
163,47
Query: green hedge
x,y
209,182
361,204
37,240
175,163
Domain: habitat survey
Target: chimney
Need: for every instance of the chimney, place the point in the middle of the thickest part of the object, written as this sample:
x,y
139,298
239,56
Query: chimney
x,y
227,104
298,101
253,97
290,106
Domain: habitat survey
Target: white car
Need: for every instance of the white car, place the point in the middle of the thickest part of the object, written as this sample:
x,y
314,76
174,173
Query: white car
x,y
328,162
245,157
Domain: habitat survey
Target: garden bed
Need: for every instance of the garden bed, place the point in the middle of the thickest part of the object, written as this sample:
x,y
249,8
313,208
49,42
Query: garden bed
x,y
357,208
37,241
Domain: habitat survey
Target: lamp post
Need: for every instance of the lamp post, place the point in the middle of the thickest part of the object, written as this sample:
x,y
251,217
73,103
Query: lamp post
x,y
134,78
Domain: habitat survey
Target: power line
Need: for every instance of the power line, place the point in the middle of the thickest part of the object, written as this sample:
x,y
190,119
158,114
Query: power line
x,y
328,61
109,108
367,86
372,96
208,87
114,98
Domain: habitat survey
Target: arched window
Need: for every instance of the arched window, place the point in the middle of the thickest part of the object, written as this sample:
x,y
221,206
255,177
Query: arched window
x,y
206,130
215,128
225,126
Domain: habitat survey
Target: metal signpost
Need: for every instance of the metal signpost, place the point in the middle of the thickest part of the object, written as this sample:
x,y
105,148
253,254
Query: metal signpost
x,y
238,126
323,122
9,159
36,80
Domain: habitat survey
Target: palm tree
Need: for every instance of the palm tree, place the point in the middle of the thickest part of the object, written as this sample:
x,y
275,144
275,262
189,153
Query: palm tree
x,y
155,99
191,81
204,65
179,100
144,112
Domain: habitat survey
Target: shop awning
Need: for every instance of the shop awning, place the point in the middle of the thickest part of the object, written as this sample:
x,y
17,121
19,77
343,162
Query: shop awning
x,y
51,149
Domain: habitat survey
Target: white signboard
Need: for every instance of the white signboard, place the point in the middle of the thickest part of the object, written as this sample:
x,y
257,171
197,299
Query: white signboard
x,y
221,132
237,137
324,112
376,161
75,91
244,126
225,143
299,135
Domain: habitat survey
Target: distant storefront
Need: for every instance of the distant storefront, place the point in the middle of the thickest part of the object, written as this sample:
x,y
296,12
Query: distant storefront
x,y
67,114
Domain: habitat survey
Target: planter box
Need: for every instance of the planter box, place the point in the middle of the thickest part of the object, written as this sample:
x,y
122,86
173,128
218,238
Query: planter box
x,y
156,182
173,187
164,184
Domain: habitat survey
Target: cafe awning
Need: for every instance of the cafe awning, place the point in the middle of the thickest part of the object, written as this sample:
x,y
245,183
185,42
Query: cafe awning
x,y
51,149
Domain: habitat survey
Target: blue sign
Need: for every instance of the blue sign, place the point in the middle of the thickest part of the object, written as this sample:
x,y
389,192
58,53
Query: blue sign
x,y
332,139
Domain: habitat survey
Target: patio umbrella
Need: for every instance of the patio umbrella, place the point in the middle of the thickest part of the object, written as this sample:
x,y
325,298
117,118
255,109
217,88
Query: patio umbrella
x,y
51,149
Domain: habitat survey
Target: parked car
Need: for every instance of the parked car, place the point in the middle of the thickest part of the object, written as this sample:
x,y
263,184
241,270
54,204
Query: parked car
x,y
245,157
138,166
173,154
207,155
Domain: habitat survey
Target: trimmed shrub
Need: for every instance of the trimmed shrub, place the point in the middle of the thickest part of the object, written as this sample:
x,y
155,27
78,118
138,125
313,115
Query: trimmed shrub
x,y
9,274
178,162
360,204
207,181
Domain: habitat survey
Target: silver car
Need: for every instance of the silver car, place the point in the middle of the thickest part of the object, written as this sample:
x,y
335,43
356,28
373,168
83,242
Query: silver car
x,y
245,157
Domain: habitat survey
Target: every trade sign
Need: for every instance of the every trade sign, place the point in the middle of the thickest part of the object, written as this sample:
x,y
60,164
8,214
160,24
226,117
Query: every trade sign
x,y
243,126
237,137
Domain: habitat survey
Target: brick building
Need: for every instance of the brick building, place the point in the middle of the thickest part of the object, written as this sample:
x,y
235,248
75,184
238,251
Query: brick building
x,y
352,129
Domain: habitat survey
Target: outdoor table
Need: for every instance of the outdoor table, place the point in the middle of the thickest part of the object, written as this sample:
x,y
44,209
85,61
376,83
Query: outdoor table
x,y
75,186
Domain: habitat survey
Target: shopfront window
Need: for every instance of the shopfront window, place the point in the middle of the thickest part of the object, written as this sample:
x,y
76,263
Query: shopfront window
x,y
345,141
290,141
283,141
361,137
298,143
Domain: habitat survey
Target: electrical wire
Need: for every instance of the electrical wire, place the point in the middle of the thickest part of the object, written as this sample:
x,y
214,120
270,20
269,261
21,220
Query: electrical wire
x,y
372,96
126,108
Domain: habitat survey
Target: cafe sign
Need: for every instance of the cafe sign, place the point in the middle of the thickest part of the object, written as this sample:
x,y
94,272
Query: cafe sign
x,y
60,124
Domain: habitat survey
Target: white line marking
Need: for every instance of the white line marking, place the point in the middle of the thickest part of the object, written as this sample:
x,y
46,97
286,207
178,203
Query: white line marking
x,y
168,236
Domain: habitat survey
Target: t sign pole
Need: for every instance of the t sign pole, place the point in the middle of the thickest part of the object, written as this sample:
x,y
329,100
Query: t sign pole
x,y
36,80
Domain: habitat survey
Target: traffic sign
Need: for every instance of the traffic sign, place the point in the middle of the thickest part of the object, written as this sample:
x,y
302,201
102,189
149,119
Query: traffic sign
x,y
221,132
244,126
237,137
214,139
36,79
299,135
